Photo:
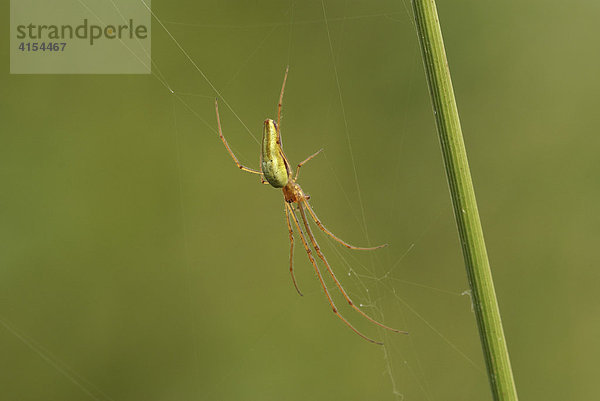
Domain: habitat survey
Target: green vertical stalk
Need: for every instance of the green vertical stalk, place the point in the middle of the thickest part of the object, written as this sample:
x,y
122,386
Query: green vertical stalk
x,y
463,199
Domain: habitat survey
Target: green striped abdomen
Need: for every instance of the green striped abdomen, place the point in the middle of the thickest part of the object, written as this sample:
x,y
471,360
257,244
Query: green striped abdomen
x,y
274,166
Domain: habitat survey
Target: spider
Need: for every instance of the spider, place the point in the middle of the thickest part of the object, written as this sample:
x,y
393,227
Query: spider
x,y
277,172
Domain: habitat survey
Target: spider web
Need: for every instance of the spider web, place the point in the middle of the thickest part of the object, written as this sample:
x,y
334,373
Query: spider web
x,y
374,183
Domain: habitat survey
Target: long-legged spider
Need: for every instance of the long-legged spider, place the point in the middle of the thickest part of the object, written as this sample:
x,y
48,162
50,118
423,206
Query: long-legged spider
x,y
277,172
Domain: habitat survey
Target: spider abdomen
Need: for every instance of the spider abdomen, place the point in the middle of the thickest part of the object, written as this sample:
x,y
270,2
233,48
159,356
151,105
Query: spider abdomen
x,y
274,166
272,171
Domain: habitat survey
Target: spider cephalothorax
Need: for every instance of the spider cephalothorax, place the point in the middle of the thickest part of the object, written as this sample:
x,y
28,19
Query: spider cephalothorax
x,y
292,193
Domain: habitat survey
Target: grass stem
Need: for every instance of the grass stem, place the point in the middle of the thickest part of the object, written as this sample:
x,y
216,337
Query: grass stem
x,y
464,203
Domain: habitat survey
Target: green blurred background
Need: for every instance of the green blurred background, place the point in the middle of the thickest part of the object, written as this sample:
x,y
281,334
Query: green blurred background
x,y
137,263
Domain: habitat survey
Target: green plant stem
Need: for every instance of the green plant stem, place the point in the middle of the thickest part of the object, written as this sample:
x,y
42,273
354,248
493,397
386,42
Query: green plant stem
x,y
463,199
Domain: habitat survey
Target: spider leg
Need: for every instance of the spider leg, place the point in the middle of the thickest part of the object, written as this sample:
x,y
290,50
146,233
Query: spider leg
x,y
314,263
304,161
240,166
337,283
281,98
262,177
332,235
287,218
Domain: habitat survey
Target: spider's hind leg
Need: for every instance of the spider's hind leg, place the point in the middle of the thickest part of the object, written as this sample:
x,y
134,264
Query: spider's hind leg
x,y
235,159
281,98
